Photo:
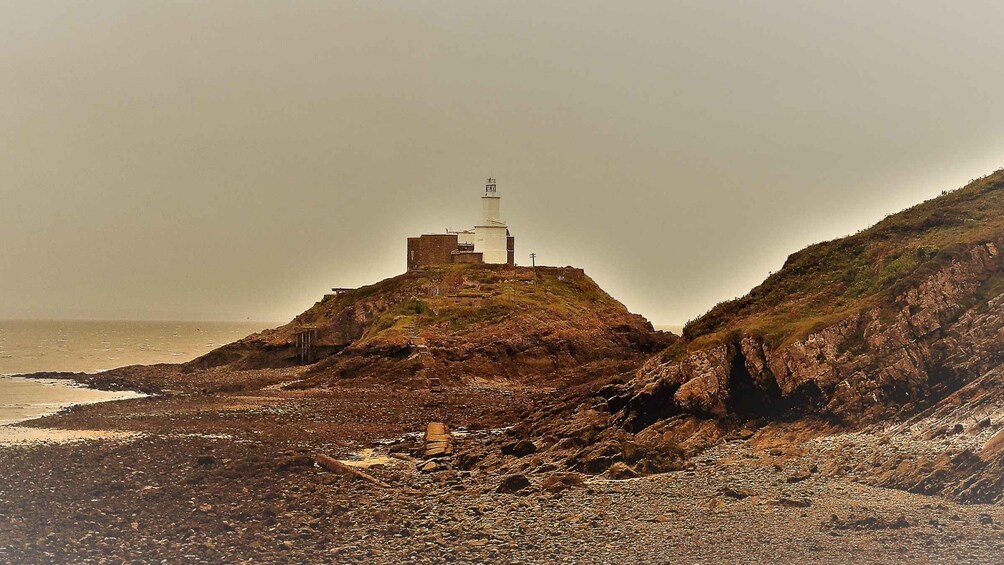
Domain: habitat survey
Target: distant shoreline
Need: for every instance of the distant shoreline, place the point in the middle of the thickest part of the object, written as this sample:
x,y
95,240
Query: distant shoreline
x,y
93,346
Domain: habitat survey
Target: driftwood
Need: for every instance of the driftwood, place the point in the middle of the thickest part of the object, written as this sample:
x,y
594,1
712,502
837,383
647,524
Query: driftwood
x,y
336,466
404,457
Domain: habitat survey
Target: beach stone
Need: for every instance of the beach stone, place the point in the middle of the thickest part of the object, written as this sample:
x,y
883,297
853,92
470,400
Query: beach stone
x,y
801,475
620,471
295,461
557,482
513,483
520,448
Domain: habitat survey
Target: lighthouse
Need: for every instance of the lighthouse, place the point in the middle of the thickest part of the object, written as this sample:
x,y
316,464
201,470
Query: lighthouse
x,y
491,236
489,242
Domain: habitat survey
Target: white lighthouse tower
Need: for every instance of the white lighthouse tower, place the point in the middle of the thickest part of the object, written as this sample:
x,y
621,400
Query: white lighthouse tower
x,y
491,236
490,203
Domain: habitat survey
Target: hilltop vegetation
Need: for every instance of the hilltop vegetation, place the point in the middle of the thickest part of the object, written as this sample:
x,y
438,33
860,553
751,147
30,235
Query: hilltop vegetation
x,y
452,298
831,280
900,321
476,320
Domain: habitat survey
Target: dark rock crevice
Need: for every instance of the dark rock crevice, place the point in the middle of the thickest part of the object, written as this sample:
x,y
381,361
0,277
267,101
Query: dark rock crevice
x,y
807,399
648,407
749,397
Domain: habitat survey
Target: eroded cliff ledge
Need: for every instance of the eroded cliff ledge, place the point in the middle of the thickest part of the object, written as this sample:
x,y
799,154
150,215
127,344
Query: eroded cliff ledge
x,y
859,333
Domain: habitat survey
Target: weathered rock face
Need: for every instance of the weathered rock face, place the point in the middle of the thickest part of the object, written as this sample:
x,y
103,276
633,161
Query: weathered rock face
x,y
867,368
918,336
954,448
856,370
461,322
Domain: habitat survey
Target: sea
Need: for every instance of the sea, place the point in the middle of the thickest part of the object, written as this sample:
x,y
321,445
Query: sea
x,y
31,346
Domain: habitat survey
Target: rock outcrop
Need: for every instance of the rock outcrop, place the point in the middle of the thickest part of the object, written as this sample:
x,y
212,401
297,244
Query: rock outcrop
x,y
876,328
457,322
870,365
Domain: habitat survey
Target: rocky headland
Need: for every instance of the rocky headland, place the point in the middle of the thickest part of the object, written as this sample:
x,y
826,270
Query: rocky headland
x,y
546,324
848,409
891,339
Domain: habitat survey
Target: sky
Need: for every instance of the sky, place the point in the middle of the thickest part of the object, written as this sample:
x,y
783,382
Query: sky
x,y
235,160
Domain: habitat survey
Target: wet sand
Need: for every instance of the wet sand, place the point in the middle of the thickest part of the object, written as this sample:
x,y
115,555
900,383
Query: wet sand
x,y
16,435
25,399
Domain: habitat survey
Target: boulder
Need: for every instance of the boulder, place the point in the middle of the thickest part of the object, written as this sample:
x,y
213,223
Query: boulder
x,y
620,471
557,482
513,483
519,448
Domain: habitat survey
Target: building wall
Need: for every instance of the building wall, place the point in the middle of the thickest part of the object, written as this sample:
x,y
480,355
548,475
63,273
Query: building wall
x,y
492,242
429,250
490,210
472,257
466,236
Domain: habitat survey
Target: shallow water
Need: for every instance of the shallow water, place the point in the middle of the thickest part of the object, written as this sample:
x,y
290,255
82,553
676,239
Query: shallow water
x,y
29,346
369,457
25,399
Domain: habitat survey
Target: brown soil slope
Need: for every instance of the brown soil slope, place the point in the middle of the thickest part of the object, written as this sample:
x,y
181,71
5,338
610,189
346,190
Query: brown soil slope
x,y
905,319
459,321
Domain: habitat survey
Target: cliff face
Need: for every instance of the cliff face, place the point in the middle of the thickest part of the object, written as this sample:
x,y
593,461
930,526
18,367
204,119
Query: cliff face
x,y
474,321
895,322
931,340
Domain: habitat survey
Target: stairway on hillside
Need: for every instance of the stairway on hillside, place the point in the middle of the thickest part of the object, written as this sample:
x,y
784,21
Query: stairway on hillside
x,y
425,357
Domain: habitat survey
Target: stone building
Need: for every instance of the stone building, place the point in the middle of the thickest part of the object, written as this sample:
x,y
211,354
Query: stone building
x,y
489,242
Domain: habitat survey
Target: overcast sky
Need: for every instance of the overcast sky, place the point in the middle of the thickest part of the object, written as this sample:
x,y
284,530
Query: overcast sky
x,y
234,160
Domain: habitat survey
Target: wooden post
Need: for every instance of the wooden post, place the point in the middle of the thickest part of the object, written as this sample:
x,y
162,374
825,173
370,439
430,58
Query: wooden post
x,y
305,339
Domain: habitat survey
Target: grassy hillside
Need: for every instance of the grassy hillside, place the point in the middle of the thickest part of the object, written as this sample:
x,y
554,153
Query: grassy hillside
x,y
476,320
830,280
454,298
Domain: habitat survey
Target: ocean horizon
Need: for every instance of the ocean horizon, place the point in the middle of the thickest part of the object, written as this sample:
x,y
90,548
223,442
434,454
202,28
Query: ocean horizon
x,y
91,346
